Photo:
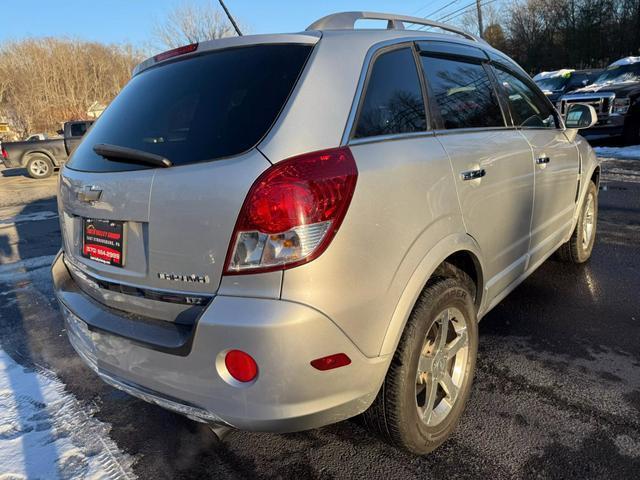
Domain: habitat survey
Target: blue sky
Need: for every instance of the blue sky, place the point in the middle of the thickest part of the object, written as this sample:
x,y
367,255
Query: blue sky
x,y
116,21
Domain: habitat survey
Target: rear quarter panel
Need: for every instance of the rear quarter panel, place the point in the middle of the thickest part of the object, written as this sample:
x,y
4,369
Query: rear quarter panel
x,y
405,202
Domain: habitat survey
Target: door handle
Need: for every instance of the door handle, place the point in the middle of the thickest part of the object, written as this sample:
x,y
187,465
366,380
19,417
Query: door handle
x,y
473,174
543,160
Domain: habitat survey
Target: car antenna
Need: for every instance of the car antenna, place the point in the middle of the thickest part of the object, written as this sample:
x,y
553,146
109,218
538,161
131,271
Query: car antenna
x,y
233,22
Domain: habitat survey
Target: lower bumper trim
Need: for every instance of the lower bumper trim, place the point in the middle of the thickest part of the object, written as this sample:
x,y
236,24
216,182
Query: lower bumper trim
x,y
194,413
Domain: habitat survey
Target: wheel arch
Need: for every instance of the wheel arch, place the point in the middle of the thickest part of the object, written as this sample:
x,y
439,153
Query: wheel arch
x,y
595,176
459,250
27,155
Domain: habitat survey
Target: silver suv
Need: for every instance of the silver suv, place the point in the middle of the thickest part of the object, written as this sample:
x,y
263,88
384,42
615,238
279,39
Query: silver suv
x,y
278,232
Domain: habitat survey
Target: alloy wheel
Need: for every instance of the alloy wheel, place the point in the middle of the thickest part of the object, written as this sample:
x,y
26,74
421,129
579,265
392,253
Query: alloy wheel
x,y
588,221
442,366
39,167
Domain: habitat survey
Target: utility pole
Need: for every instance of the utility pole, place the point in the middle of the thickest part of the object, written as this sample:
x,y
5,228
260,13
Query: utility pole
x,y
480,29
233,22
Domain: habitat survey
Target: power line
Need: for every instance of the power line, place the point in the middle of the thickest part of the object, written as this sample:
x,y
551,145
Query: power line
x,y
420,9
461,9
441,8
487,2
445,18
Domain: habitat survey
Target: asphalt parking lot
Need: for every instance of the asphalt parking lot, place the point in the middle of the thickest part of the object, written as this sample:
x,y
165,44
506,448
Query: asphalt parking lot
x,y
556,394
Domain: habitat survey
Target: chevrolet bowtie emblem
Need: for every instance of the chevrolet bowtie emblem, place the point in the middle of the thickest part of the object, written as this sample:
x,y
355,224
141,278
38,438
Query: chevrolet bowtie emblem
x,y
89,193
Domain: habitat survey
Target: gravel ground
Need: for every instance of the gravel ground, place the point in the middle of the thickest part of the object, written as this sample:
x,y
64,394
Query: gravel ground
x,y
556,394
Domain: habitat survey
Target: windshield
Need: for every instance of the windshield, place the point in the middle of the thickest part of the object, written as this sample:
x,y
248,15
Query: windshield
x,y
620,74
200,108
552,83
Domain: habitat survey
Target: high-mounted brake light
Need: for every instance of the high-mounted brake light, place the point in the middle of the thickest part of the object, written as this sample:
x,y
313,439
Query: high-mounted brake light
x,y
176,51
292,212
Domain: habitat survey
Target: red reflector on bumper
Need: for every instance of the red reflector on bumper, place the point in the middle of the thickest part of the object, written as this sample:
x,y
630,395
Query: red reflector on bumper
x,y
241,365
332,361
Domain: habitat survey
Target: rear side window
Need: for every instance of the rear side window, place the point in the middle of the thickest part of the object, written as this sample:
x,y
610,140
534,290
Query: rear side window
x,y
393,101
463,93
528,109
78,129
209,106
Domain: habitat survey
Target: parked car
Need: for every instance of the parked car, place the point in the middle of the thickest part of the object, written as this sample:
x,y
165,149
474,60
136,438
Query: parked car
x,y
615,95
285,261
41,157
557,83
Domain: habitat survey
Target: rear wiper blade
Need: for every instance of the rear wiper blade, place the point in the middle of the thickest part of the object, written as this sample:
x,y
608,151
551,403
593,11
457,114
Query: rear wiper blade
x,y
124,154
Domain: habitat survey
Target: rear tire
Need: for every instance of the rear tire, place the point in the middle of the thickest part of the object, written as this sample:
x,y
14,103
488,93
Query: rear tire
x,y
39,166
428,382
579,247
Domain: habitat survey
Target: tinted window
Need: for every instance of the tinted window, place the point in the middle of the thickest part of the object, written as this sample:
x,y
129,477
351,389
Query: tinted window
x,y
578,80
393,100
463,93
201,108
78,129
528,109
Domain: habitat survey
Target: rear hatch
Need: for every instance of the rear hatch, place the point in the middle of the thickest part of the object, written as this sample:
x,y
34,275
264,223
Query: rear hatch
x,y
130,223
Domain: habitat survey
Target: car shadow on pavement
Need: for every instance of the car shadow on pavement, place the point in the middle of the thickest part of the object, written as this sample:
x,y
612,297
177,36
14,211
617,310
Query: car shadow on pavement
x,y
14,172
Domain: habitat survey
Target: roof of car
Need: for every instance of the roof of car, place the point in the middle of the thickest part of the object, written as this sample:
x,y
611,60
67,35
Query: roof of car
x,y
343,24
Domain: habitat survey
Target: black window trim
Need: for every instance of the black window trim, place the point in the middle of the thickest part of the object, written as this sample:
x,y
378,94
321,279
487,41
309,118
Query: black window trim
x,y
485,62
495,65
362,93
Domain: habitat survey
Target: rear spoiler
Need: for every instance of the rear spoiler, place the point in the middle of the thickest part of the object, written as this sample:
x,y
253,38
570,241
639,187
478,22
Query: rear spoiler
x,y
310,38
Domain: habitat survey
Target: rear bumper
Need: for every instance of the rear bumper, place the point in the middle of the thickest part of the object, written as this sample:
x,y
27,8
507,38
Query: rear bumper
x,y
283,337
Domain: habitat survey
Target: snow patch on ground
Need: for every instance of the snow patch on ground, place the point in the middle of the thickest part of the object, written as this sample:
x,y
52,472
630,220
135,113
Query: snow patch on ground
x,y
632,152
46,433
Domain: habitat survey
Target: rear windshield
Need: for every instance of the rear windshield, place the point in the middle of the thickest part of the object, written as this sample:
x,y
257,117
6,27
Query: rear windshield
x,y
206,107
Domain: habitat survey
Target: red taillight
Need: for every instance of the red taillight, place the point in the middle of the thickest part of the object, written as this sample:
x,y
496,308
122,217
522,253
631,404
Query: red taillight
x,y
176,51
241,365
292,212
5,155
332,361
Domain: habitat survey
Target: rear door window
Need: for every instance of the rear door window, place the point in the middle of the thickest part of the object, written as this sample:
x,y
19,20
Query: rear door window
x,y
463,92
393,101
196,109
528,108
78,129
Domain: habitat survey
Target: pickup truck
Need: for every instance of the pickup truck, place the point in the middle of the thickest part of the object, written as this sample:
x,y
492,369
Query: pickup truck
x,y
560,82
41,157
615,95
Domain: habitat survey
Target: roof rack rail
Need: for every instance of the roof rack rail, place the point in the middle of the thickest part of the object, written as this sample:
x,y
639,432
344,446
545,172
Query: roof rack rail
x,y
347,20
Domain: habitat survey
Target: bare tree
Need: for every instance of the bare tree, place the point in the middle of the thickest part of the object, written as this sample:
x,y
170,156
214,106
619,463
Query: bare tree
x,y
469,19
190,22
48,81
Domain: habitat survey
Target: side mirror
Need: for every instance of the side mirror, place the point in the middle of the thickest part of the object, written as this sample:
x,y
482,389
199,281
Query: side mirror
x,y
60,132
580,116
